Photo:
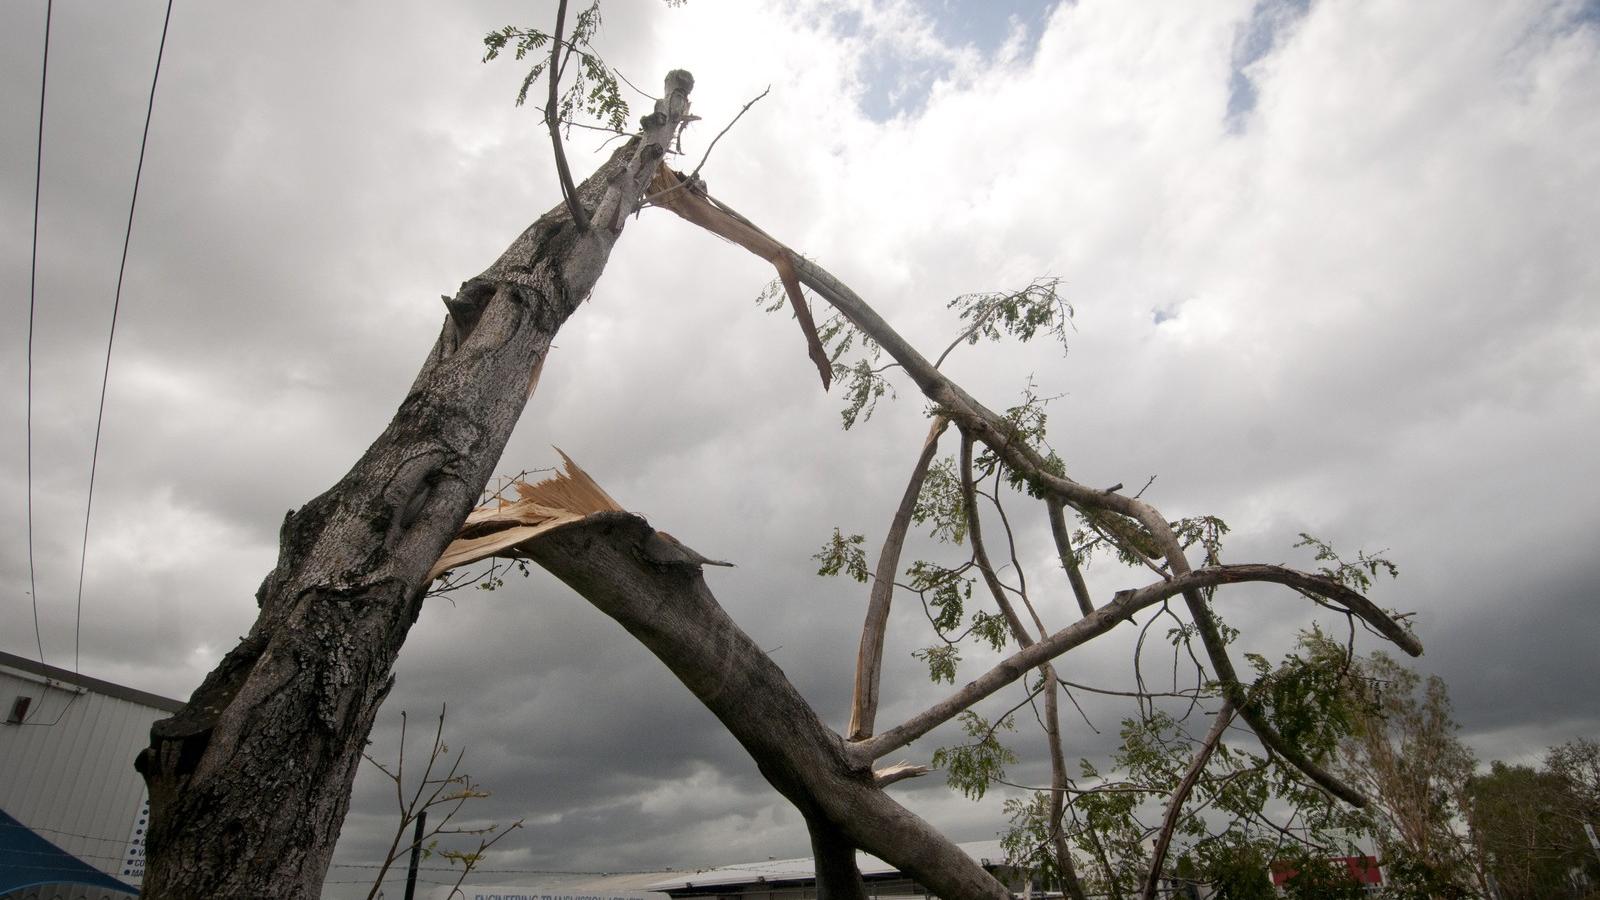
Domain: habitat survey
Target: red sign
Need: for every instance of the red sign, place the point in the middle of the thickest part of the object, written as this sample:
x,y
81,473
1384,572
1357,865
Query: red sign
x,y
1362,869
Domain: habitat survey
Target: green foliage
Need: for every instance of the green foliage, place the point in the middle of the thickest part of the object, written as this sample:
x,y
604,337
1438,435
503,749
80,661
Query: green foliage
x,y
971,768
1026,421
594,88
1019,314
494,577
1531,827
1223,837
942,660
843,554
862,386
941,503
1355,575
1313,696
1026,842
944,592
1130,541
1236,868
991,628
1404,753
854,356
1206,531
1409,877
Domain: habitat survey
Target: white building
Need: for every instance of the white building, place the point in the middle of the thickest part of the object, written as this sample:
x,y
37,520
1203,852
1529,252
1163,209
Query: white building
x,y
72,809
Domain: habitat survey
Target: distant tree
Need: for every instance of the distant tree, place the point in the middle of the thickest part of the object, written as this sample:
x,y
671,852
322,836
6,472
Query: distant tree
x,y
1530,829
1405,752
1577,763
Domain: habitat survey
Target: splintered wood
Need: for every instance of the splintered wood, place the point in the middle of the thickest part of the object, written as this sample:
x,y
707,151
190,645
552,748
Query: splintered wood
x,y
497,526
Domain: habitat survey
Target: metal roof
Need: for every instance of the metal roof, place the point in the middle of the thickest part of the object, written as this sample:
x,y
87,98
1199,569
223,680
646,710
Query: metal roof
x,y
67,676
29,861
803,868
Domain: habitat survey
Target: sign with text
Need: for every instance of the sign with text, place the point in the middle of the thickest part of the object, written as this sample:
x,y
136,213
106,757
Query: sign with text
x,y
132,868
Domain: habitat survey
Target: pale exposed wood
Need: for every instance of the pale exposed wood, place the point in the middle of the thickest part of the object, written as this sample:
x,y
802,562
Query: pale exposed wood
x,y
900,771
496,527
869,658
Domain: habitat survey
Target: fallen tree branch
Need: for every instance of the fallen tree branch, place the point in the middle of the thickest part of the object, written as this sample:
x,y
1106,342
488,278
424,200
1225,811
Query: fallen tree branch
x,y
669,609
1122,607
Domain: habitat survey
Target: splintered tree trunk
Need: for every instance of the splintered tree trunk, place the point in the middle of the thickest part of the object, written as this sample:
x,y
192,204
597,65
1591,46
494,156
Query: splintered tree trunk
x,y
250,782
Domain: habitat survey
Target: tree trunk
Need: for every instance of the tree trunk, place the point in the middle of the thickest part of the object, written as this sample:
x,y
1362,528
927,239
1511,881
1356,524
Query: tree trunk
x,y
250,782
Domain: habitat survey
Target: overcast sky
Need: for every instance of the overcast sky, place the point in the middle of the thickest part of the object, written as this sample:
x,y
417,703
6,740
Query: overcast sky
x,y
1333,264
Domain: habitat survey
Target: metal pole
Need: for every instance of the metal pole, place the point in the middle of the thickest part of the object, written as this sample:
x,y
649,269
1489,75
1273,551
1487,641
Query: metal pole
x,y
416,852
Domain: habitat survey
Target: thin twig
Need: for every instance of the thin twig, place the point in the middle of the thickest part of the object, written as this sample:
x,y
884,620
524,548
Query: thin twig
x,y
724,131
636,88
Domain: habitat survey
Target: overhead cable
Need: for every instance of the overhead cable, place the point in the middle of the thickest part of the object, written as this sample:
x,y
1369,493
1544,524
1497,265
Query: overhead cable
x,y
116,303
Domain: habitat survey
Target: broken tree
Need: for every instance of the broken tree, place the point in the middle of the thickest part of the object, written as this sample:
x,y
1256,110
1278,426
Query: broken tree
x,y
250,783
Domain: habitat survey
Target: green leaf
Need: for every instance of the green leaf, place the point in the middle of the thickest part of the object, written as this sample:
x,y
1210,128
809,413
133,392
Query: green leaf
x,y
843,554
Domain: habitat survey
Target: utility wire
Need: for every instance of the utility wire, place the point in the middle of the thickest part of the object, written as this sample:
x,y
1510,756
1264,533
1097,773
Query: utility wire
x,y
116,303
33,281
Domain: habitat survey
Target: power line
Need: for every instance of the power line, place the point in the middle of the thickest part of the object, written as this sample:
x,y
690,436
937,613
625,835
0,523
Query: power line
x,y
116,303
33,280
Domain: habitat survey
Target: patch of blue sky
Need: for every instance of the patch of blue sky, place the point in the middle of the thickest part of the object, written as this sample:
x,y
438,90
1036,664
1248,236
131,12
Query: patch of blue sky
x,y
986,25
1255,40
895,84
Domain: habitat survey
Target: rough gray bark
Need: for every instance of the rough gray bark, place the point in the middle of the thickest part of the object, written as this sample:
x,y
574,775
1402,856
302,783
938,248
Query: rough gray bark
x,y
250,783
838,876
669,609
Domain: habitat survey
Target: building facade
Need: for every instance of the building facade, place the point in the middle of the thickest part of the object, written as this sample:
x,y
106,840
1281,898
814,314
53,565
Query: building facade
x,y
72,809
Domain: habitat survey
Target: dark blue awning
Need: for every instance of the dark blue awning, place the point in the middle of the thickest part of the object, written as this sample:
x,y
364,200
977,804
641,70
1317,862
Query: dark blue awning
x,y
28,860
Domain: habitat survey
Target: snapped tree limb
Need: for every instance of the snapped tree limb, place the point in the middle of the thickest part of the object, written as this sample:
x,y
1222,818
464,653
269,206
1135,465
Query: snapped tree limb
x,y
999,436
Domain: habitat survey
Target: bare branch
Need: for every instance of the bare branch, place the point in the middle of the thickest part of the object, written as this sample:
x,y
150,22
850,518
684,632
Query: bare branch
x,y
1103,619
975,535
695,174
1069,559
869,659
1180,795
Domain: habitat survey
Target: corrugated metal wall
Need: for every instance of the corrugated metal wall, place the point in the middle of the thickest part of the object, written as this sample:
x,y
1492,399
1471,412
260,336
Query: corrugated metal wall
x,y
67,771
